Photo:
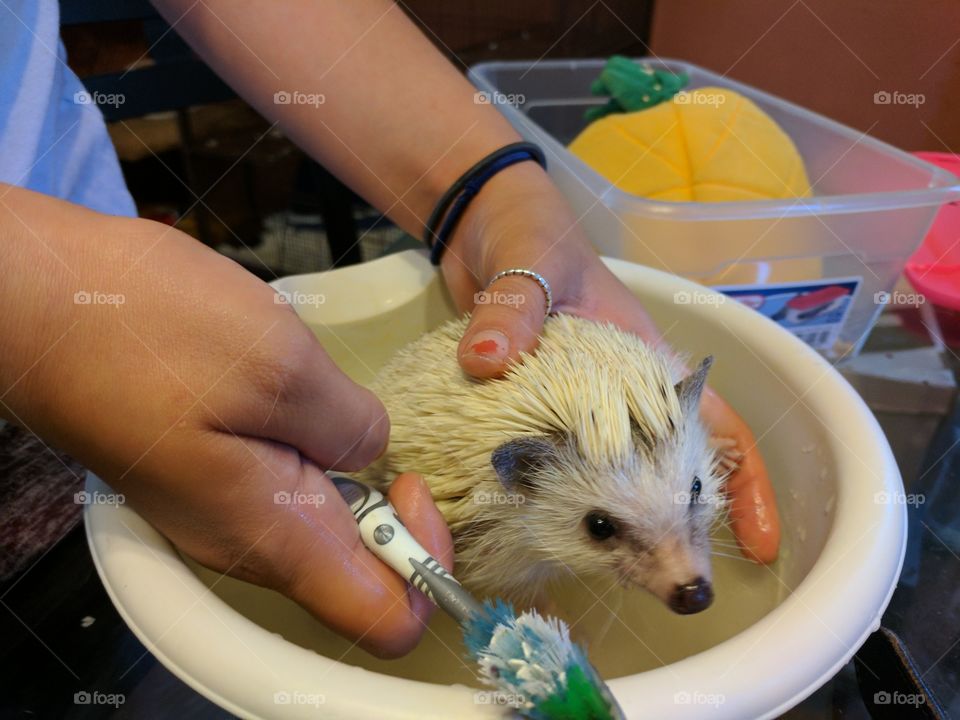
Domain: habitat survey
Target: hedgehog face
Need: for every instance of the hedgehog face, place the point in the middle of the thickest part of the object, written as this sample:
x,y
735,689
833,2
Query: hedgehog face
x,y
644,519
669,506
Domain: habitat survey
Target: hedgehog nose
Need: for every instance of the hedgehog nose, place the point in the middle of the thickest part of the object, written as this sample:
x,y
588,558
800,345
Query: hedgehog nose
x,y
692,597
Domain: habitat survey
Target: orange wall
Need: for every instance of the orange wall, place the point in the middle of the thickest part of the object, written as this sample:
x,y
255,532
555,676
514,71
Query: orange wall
x,y
832,56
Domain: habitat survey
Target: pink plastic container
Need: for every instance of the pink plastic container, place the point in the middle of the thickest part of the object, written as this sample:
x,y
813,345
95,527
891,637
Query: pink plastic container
x,y
934,269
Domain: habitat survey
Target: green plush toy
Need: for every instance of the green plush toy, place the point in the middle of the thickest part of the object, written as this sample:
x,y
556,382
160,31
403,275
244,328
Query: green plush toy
x,y
632,87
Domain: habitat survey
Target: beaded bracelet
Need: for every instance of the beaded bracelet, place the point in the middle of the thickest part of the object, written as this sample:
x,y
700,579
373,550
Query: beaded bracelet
x,y
454,202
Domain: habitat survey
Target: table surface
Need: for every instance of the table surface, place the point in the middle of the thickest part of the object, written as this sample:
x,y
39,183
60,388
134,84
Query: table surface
x,y
61,635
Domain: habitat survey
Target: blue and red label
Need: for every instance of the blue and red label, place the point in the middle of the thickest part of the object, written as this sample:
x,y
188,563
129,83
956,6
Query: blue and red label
x,y
813,311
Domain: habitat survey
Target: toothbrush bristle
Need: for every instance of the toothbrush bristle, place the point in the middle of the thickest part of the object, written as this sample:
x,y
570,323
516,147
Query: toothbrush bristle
x,y
532,661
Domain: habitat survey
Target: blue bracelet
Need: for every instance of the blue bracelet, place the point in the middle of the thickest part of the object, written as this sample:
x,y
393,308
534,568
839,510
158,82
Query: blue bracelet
x,y
466,188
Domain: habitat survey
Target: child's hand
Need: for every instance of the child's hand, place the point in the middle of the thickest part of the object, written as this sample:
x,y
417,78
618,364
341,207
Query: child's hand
x,y
209,405
520,221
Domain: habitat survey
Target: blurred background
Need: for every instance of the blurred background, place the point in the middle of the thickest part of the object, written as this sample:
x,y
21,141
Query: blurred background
x,y
197,157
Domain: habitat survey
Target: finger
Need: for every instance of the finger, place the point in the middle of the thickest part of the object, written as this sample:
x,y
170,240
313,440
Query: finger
x,y
336,578
753,513
410,495
259,511
506,322
303,385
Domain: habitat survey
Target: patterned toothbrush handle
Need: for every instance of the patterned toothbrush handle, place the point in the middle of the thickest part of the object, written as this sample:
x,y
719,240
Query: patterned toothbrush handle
x,y
385,535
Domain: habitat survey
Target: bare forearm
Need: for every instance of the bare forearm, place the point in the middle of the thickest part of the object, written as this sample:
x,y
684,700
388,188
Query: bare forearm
x,y
398,123
47,249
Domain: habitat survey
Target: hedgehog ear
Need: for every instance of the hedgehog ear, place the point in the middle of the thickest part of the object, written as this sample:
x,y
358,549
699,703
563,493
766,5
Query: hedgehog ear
x,y
516,461
690,388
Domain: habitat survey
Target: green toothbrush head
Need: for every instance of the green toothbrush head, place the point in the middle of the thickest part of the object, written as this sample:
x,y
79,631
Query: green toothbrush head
x,y
532,660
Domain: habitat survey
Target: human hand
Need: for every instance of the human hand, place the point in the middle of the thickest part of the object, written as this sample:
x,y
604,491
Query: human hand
x,y
520,220
208,404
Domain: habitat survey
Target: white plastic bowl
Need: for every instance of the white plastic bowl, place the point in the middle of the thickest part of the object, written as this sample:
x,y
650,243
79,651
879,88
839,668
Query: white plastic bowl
x,y
833,470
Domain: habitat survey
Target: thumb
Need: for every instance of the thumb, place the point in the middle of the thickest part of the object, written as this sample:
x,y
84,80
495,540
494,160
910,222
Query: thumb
x,y
507,319
308,386
753,514
327,569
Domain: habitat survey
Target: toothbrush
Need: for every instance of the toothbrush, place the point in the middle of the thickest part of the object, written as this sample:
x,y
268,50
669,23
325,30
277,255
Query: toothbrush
x,y
528,658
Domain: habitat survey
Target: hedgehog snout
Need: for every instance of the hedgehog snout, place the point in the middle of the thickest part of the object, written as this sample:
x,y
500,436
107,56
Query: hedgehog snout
x,y
678,573
691,597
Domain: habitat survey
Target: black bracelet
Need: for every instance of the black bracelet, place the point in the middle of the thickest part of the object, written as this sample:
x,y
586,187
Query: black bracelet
x,y
467,186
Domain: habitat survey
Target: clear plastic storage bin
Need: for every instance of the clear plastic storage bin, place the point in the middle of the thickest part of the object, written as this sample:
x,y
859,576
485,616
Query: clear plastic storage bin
x,y
822,266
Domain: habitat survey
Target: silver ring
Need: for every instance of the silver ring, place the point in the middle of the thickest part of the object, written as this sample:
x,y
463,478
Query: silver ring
x,y
535,276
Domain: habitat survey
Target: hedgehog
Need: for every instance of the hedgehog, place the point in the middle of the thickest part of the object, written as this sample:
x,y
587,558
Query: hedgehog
x,y
587,457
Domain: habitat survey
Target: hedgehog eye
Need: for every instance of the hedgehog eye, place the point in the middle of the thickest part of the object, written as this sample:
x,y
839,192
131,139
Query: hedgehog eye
x,y
695,489
600,526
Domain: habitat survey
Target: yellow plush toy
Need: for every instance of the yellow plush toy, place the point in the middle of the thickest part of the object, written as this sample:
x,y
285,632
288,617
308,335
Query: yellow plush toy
x,y
707,145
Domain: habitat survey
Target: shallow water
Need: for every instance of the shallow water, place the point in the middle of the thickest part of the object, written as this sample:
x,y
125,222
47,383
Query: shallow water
x,y
626,632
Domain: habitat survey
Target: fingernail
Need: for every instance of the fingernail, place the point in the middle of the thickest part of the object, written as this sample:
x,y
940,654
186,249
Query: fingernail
x,y
489,344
